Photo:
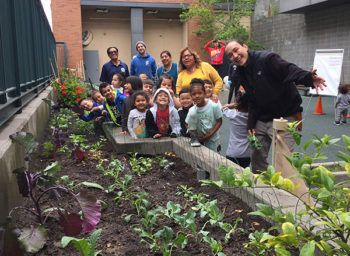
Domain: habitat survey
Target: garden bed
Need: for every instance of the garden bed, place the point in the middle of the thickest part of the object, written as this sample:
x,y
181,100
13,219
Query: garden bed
x,y
168,179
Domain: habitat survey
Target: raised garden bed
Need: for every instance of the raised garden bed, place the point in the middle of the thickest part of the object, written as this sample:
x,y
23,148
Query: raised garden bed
x,y
190,219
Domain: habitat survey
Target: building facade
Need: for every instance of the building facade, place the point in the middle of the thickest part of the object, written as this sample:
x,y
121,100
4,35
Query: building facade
x,y
121,24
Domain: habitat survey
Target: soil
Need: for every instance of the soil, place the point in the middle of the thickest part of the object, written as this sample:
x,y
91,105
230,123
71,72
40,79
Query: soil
x,y
117,237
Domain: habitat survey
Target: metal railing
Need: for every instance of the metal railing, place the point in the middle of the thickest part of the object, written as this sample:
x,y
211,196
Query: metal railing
x,y
27,54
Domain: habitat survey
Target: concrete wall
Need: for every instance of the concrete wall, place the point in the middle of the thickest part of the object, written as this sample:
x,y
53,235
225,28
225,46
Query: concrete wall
x,y
33,119
112,29
296,36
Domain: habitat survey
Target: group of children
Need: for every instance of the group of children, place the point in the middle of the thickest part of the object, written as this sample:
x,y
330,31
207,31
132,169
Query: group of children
x,y
145,110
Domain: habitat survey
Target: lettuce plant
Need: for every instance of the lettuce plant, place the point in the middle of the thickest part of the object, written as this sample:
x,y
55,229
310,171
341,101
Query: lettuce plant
x,y
33,238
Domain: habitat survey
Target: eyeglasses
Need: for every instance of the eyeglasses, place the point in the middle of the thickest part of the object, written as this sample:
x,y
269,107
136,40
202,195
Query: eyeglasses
x,y
111,52
187,56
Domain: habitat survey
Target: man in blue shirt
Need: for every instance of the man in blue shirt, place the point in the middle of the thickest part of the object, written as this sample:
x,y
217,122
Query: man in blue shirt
x,y
113,66
143,63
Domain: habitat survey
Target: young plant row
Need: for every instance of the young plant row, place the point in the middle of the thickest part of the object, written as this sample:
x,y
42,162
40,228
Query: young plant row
x,y
164,238
185,227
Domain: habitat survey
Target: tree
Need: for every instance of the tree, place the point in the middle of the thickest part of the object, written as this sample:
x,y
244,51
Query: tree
x,y
221,19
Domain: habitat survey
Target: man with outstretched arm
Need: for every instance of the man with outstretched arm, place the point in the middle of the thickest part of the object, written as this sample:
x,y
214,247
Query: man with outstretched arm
x,y
269,82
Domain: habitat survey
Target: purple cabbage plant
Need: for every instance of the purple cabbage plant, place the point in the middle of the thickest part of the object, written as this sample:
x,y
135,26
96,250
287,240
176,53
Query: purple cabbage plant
x,y
33,238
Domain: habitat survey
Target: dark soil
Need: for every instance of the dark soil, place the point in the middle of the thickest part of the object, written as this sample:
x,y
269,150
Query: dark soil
x,y
117,237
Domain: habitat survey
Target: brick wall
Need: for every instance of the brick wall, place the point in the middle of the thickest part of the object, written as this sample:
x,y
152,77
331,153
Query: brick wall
x,y
67,27
296,36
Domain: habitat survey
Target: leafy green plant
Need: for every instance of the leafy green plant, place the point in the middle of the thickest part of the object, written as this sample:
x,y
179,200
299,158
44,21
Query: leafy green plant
x,y
125,193
68,89
84,246
49,150
161,161
83,128
254,143
140,165
34,238
324,223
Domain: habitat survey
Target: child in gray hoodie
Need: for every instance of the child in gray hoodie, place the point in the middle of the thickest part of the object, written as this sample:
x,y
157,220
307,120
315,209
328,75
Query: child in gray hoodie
x,y
162,119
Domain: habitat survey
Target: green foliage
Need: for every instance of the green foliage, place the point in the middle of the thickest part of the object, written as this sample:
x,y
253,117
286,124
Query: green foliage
x,y
79,140
71,186
48,149
164,239
140,165
83,128
86,247
220,19
254,143
325,224
69,89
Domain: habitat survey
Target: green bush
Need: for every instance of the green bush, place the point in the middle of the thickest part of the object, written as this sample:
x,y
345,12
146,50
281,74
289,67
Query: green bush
x,y
68,89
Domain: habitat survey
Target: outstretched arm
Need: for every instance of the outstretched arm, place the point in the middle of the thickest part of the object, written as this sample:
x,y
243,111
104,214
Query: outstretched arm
x,y
319,82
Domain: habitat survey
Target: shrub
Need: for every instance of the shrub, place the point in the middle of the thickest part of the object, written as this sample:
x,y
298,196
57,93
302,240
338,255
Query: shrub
x,y
69,89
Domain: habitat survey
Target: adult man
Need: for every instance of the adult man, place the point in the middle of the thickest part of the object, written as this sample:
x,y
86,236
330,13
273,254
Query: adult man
x,y
269,82
143,63
113,66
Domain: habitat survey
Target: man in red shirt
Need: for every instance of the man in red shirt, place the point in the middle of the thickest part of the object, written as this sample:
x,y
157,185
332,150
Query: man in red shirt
x,y
216,54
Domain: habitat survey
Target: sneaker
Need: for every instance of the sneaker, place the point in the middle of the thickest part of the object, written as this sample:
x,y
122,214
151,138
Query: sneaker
x,y
194,141
343,122
337,123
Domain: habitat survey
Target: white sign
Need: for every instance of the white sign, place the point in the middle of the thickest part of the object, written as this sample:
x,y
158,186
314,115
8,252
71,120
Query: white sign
x,y
328,63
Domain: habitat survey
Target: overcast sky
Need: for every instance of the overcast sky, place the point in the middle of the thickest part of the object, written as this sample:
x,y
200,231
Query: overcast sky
x,y
47,8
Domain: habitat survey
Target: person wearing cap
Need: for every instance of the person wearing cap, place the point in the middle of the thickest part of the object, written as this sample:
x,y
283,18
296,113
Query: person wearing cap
x,y
216,55
143,62
112,67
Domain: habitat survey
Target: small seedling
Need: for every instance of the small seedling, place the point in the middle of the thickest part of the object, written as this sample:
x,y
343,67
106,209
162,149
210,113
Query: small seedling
x,y
84,246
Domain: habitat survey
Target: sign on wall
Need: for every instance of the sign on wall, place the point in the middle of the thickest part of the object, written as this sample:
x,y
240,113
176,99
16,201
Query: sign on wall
x,y
328,63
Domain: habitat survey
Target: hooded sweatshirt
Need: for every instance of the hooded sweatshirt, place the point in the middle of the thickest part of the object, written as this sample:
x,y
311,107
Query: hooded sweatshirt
x,y
151,117
143,65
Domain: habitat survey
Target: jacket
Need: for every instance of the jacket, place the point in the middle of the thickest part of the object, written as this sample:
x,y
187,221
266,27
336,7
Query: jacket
x,y
216,53
143,65
151,117
270,82
92,115
119,100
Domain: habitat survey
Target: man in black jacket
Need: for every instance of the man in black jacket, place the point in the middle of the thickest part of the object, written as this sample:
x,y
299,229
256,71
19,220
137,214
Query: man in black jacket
x,y
269,82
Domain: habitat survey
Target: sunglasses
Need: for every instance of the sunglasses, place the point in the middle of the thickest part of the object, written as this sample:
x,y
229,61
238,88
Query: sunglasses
x,y
111,52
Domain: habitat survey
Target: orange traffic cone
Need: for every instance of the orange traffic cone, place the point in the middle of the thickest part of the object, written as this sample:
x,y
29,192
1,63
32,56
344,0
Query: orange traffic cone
x,y
318,109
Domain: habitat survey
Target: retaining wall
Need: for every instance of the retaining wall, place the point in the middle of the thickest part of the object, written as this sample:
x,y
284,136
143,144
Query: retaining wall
x,y
33,119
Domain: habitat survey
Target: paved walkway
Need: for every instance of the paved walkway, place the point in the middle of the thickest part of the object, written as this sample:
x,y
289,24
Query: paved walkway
x,y
313,124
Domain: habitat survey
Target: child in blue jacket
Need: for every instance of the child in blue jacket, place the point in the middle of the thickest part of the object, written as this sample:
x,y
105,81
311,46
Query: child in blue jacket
x,y
93,107
113,103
